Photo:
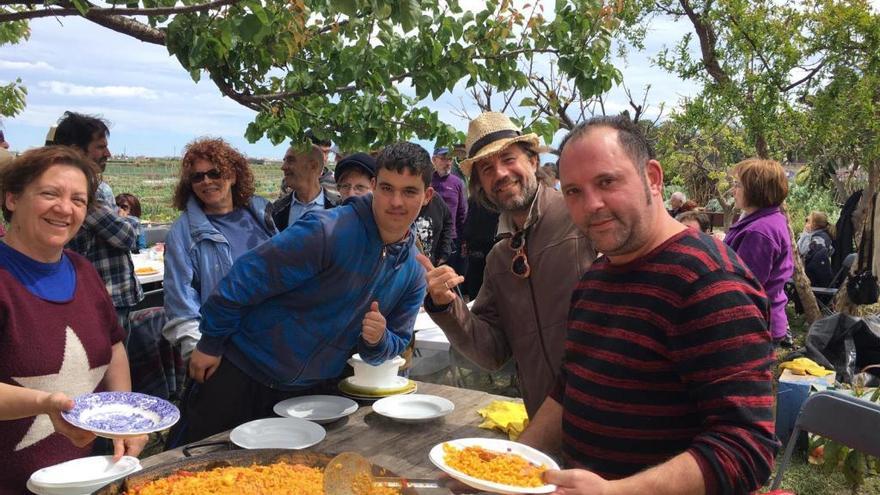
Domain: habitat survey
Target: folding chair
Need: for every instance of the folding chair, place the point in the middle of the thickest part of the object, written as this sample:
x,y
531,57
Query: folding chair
x,y
824,295
839,417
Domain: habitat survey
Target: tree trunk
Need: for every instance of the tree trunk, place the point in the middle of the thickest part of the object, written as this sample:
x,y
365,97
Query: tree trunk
x,y
842,303
761,146
801,282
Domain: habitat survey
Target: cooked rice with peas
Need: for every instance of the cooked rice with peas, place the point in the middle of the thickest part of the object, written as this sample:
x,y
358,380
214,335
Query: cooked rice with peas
x,y
505,468
280,478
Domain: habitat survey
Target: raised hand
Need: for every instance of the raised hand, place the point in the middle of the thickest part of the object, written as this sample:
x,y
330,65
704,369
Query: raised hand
x,y
441,281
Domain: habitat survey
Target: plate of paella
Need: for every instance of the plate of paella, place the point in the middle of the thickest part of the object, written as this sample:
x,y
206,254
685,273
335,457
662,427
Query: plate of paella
x,y
494,465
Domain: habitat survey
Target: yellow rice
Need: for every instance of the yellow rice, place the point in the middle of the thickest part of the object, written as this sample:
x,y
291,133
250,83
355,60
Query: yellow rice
x,y
280,478
505,468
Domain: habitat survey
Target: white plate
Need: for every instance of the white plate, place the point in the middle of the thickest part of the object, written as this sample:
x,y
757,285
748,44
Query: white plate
x,y
121,414
277,433
367,398
317,408
86,471
413,408
503,446
398,382
40,490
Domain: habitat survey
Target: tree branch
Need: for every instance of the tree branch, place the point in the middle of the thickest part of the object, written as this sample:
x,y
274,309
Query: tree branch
x,y
807,77
98,11
130,27
240,98
754,46
668,10
708,40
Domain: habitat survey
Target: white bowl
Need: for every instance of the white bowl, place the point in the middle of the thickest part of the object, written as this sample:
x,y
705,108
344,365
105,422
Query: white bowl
x,y
367,375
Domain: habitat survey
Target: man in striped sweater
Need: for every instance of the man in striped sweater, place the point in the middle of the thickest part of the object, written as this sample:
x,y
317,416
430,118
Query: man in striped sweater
x,y
666,383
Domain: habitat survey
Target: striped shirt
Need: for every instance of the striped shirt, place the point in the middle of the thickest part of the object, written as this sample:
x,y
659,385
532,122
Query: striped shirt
x,y
666,354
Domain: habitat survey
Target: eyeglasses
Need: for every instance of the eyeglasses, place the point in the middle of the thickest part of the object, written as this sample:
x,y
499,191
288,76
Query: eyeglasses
x,y
519,265
196,177
123,206
360,188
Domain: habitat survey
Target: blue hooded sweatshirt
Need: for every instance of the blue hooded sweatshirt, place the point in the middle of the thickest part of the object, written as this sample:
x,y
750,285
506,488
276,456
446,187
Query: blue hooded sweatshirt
x,y
290,312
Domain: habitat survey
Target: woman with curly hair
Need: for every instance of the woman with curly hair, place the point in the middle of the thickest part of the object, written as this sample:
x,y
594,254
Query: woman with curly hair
x,y
221,220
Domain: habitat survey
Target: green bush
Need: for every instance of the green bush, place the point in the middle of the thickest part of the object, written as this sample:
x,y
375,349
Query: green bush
x,y
802,200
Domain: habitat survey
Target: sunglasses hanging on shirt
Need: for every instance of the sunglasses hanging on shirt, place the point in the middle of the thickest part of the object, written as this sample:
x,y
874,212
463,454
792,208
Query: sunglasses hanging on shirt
x,y
519,265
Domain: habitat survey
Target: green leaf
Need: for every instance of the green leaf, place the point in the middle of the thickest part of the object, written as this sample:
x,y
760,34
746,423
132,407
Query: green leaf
x,y
833,455
854,468
81,6
348,7
250,27
260,12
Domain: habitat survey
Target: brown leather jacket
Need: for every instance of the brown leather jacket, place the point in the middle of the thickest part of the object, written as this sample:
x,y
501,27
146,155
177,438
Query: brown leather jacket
x,y
524,318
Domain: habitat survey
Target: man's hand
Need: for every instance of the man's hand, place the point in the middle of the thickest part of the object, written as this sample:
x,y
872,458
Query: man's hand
x,y
441,281
202,366
54,405
129,446
577,482
374,325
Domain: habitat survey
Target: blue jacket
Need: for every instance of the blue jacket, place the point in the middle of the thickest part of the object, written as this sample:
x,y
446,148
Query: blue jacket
x,y
197,257
290,312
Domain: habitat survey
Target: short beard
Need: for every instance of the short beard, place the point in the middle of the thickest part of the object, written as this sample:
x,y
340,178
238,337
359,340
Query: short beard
x,y
523,203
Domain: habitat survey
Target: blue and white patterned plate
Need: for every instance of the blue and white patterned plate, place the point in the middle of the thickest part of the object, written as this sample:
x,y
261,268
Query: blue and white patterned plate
x,y
121,414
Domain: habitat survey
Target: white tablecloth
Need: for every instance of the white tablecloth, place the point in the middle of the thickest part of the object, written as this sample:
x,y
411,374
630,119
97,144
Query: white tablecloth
x,y
428,335
143,260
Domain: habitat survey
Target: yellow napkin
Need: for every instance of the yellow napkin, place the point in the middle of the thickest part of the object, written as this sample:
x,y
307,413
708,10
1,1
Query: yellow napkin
x,y
509,417
804,366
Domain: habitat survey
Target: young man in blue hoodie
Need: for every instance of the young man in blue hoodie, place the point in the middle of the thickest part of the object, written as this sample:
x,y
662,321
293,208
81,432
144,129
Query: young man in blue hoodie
x,y
286,318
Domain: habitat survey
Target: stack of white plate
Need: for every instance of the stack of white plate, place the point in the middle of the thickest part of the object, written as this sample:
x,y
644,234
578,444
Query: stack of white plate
x,y
81,476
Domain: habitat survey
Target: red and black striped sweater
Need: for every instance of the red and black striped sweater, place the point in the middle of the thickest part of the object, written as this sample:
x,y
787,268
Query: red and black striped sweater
x,y
667,354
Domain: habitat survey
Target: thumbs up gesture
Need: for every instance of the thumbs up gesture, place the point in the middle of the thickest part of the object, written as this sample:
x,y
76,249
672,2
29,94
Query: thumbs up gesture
x,y
374,325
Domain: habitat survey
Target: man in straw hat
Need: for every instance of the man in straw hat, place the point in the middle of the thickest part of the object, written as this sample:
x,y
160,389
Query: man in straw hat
x,y
667,384
521,308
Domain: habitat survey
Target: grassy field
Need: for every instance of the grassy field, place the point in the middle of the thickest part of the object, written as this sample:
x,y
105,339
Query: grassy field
x,y
153,182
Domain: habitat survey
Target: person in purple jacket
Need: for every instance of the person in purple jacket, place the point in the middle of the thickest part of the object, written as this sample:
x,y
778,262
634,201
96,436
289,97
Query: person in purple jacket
x,y
761,236
452,190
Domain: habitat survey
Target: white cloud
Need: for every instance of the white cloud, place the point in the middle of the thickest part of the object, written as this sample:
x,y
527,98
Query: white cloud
x,y
68,89
16,65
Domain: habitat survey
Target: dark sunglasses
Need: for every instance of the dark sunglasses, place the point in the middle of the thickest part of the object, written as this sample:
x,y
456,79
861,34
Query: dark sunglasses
x,y
123,206
519,266
196,177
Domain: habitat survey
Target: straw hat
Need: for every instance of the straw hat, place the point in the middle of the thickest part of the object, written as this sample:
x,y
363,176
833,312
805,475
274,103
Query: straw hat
x,y
490,133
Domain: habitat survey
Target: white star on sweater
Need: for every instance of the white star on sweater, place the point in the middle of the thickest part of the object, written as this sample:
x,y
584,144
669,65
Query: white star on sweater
x,y
74,378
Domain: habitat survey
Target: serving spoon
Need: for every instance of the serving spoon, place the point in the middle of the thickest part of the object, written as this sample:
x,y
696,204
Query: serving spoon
x,y
342,470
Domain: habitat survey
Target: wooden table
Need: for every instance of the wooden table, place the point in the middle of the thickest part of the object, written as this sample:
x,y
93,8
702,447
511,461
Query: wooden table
x,y
400,447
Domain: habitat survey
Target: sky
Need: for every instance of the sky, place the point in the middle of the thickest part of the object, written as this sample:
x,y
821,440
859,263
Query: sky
x,y
155,108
